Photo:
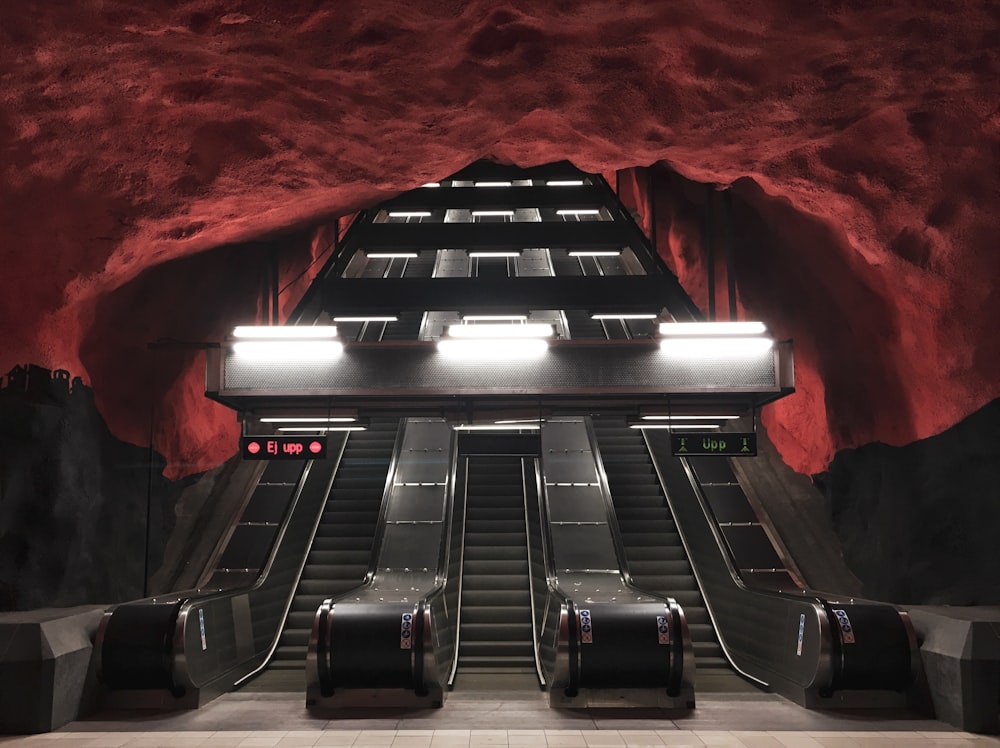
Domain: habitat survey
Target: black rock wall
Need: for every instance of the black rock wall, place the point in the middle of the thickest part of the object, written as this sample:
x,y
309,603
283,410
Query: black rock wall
x,y
920,524
74,503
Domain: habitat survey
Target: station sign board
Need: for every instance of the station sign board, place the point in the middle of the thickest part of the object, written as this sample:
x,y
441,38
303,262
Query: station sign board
x,y
693,444
283,447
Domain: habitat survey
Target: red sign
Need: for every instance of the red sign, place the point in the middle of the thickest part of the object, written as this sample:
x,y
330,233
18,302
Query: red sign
x,y
283,447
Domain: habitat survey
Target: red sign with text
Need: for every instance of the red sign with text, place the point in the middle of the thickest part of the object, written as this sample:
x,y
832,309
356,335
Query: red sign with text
x,y
283,447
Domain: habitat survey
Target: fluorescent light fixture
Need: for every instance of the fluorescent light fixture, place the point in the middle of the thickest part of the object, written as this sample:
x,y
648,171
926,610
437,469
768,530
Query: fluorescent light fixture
x,y
285,332
579,212
595,253
289,350
431,184
308,419
624,315
673,426
493,317
391,255
352,427
715,346
488,254
497,427
514,330
656,417
514,421
410,214
488,213
492,184
386,318
705,329
493,349
564,183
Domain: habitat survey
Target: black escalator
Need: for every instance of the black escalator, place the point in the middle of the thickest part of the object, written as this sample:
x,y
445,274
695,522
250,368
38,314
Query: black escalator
x,y
495,630
341,550
654,552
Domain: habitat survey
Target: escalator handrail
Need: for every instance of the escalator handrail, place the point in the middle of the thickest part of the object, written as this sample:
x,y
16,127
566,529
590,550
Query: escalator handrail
x,y
531,578
453,671
298,574
616,536
383,511
181,672
439,589
318,649
826,646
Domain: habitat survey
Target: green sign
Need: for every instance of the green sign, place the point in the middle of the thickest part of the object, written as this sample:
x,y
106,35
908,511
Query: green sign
x,y
729,445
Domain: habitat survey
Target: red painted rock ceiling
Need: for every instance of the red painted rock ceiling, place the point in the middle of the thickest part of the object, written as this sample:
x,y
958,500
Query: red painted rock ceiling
x,y
861,139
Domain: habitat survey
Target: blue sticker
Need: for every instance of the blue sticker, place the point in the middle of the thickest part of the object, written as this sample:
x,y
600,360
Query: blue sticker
x,y
406,631
663,629
586,628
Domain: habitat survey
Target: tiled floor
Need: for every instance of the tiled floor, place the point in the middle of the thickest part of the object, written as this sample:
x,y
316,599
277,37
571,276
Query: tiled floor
x,y
504,718
514,737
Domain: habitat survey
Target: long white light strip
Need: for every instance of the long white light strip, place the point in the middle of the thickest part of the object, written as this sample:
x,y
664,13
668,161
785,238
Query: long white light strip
x,y
289,350
579,212
565,183
391,255
493,349
410,214
487,253
595,253
487,213
492,184
356,427
493,317
497,427
431,184
697,347
308,419
522,330
624,315
286,332
387,318
674,426
704,329
654,417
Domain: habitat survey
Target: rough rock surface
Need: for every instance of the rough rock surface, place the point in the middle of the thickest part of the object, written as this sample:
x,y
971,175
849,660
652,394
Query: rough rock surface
x,y
919,523
862,141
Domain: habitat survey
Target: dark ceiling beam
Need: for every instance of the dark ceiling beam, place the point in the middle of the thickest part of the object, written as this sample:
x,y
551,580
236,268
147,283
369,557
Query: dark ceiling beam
x,y
498,198
614,293
592,235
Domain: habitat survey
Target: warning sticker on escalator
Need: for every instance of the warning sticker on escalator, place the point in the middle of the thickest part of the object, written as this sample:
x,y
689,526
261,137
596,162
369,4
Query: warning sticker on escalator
x,y
586,628
846,629
663,629
406,631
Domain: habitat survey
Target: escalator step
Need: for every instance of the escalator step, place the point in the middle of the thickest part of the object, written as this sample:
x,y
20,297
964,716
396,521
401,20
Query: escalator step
x,y
494,614
497,632
656,553
495,554
659,567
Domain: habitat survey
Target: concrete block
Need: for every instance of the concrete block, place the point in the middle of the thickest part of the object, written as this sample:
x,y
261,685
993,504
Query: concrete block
x,y
960,651
46,678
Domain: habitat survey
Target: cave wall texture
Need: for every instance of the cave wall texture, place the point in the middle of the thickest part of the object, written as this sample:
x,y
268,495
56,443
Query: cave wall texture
x,y
150,154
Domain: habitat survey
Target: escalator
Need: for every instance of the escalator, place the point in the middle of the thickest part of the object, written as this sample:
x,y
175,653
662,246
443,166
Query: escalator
x,y
495,632
340,553
654,552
